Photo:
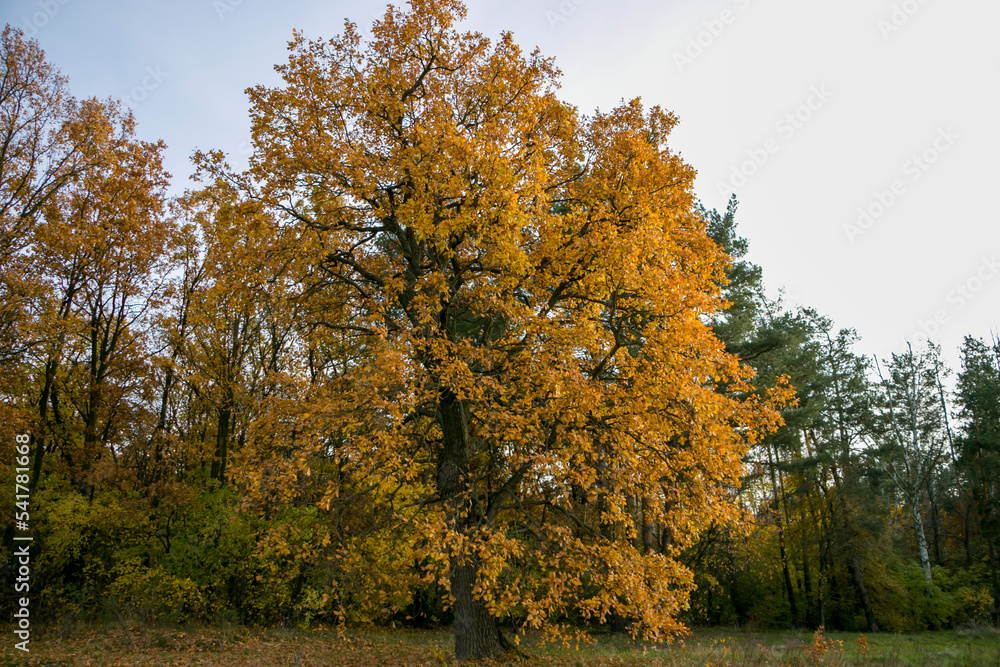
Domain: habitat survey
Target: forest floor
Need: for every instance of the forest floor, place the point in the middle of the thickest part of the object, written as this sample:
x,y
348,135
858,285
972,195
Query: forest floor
x,y
127,645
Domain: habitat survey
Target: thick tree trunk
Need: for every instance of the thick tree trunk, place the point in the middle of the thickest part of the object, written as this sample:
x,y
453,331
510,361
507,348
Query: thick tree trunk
x,y
477,634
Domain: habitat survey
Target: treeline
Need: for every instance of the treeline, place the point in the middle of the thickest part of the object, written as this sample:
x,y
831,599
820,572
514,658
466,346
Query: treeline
x,y
180,374
875,504
148,345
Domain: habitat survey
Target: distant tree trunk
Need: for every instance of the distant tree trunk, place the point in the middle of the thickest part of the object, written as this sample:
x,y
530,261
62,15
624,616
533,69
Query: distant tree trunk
x,y
994,580
806,580
967,536
854,565
935,510
162,428
39,439
935,524
221,445
647,528
820,592
925,560
781,540
859,585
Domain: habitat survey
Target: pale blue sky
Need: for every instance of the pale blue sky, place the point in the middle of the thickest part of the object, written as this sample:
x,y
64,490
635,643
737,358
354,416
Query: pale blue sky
x,y
809,110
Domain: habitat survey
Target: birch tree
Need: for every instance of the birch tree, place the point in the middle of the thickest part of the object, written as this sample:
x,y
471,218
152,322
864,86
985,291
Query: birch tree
x,y
910,435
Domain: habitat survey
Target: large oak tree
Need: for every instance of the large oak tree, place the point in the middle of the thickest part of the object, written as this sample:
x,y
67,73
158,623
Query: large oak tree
x,y
537,389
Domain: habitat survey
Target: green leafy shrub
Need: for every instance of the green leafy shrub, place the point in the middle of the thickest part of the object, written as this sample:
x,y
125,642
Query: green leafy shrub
x,y
149,593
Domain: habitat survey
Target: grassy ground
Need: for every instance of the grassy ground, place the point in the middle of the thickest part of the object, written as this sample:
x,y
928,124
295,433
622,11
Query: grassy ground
x,y
128,645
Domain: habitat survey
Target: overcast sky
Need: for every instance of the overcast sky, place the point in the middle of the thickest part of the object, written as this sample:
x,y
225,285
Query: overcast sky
x,y
860,136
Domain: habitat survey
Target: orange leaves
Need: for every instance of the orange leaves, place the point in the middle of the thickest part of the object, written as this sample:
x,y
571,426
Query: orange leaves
x,y
534,384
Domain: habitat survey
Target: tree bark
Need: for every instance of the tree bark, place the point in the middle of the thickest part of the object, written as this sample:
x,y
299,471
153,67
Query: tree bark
x,y
776,506
859,585
221,444
925,560
995,591
821,587
806,578
647,528
853,563
477,634
935,524
39,439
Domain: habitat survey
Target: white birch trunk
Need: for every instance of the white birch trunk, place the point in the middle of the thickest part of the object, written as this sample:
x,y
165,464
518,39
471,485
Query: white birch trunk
x,y
925,560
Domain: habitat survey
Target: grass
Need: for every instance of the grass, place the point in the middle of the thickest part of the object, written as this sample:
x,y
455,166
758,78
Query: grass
x,y
128,644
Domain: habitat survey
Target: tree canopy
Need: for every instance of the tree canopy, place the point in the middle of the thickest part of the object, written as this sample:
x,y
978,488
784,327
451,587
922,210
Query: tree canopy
x,y
530,288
